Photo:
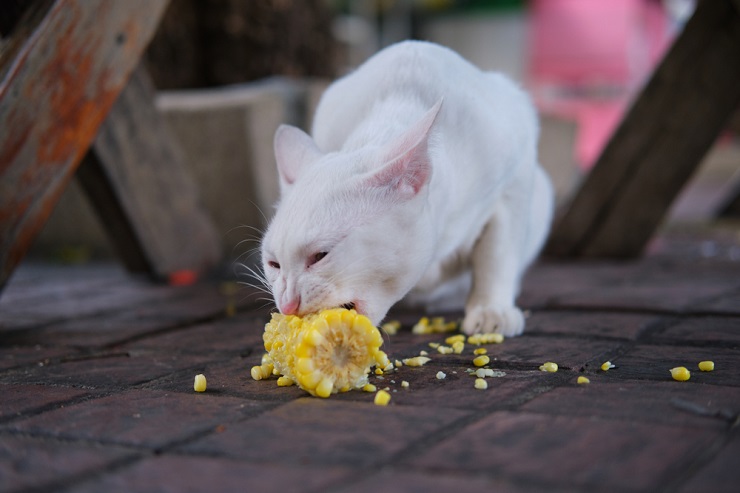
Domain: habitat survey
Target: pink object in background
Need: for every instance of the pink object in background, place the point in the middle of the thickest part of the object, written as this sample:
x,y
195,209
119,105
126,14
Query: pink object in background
x,y
588,58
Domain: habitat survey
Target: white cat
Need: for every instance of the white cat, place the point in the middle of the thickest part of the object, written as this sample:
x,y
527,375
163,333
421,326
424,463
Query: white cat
x,y
421,170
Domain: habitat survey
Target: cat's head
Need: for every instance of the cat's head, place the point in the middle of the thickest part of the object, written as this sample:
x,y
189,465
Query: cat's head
x,y
348,230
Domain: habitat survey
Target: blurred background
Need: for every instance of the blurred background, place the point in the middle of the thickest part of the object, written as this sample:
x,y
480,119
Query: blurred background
x,y
228,72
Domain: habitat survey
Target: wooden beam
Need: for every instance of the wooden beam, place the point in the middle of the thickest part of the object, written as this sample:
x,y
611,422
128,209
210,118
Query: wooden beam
x,y
148,203
58,80
660,143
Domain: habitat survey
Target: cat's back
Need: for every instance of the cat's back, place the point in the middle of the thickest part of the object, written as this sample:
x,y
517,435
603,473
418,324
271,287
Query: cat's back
x,y
417,71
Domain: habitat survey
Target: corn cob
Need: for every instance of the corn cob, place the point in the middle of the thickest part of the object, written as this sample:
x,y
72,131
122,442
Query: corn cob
x,y
329,352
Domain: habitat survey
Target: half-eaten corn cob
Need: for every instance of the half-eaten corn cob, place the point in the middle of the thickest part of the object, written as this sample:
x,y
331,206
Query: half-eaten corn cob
x,y
325,353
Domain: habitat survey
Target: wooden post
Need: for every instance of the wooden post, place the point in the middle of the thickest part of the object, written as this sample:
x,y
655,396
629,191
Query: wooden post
x,y
660,142
148,203
59,76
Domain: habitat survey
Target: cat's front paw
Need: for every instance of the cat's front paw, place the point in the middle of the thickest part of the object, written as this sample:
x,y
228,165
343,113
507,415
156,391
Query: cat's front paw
x,y
505,320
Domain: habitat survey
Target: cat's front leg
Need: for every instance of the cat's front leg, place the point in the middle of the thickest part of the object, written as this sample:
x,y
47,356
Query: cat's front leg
x,y
496,270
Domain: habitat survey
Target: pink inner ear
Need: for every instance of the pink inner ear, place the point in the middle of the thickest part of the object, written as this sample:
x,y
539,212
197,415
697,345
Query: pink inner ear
x,y
408,168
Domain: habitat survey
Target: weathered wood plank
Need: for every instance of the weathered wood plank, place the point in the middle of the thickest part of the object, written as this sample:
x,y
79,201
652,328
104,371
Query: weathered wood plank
x,y
56,88
660,143
139,185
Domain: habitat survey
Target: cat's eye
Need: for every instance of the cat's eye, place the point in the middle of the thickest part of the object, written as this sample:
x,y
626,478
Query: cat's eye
x,y
316,257
273,264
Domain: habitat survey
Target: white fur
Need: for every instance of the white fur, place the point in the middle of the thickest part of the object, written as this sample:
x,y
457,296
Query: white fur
x,y
408,197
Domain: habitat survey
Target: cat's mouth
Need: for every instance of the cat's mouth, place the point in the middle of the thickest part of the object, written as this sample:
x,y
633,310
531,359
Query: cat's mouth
x,y
349,306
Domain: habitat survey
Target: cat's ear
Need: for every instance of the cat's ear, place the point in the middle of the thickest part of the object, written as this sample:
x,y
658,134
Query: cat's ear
x,y
406,167
294,150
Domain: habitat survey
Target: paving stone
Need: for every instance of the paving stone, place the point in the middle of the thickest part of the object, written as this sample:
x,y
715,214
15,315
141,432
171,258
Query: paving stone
x,y
328,432
654,363
230,377
709,330
18,356
531,351
144,418
431,482
231,335
643,401
569,451
590,324
183,474
727,303
38,464
107,371
18,400
721,475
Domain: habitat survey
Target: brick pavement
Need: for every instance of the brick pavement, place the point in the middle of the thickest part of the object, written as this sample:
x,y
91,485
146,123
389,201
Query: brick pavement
x,y
96,372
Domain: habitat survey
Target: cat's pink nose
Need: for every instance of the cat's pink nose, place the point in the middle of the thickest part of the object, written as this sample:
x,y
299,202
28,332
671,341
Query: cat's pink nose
x,y
290,307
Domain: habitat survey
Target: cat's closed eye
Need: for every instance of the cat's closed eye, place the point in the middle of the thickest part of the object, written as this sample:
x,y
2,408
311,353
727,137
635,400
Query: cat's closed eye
x,y
273,264
316,257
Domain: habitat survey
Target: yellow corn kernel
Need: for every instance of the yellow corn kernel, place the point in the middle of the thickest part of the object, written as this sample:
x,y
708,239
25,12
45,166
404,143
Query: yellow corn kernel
x,y
421,327
706,366
382,398
482,360
480,350
200,383
324,353
378,371
434,345
445,350
398,363
458,347
285,382
680,373
607,365
417,361
453,339
391,327
404,384
549,367
484,372
423,353
481,384
441,375
583,380
487,338
368,387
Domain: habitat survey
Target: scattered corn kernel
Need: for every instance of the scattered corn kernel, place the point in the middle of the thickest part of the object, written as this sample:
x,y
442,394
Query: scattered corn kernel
x,y
488,338
368,387
680,373
404,384
378,371
423,353
706,366
262,371
398,363
388,367
583,380
607,365
458,347
417,361
481,384
200,383
391,327
453,339
441,375
382,398
445,350
484,372
434,345
285,382
482,360
480,350
549,367
421,327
